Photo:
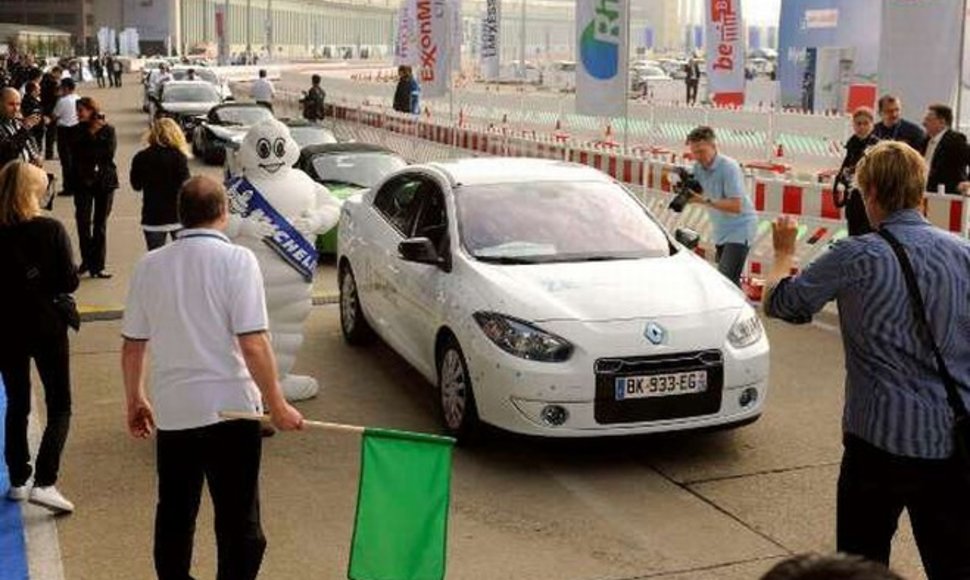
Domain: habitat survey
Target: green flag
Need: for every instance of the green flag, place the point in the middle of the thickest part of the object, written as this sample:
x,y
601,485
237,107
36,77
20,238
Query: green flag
x,y
401,528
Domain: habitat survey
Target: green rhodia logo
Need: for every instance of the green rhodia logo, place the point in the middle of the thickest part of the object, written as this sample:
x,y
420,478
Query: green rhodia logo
x,y
599,46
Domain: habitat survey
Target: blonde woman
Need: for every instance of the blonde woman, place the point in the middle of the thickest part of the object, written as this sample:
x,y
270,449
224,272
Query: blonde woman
x,y
35,257
160,170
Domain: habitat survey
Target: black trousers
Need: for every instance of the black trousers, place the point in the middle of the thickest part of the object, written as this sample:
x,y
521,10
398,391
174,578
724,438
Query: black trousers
x,y
92,206
875,487
154,240
730,260
51,355
227,456
50,141
65,143
37,133
692,91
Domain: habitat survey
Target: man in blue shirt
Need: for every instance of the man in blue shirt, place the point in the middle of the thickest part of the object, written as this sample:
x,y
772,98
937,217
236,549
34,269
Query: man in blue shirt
x,y
731,212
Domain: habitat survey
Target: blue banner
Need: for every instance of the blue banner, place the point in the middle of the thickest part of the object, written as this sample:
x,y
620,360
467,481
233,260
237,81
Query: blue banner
x,y
246,201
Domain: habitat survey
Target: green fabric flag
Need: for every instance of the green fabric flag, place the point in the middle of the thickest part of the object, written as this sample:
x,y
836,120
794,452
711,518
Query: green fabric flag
x,y
401,528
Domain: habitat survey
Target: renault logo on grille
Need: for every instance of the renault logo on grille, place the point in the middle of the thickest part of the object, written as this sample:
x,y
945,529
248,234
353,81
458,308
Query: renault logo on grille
x,y
654,333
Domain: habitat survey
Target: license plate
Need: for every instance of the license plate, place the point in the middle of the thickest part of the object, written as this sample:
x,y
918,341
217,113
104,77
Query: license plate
x,y
661,385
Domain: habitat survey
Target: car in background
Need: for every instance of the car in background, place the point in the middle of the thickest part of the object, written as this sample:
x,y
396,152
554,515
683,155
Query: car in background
x,y
181,73
641,77
185,102
543,298
346,169
225,126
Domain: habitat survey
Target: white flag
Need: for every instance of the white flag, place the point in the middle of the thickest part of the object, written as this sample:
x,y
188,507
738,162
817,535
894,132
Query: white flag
x,y
602,71
491,40
434,63
725,52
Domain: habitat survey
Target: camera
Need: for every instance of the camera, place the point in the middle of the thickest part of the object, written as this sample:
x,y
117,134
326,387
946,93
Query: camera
x,y
684,185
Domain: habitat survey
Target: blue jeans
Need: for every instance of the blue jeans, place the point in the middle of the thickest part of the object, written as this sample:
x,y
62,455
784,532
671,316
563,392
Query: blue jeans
x,y
730,260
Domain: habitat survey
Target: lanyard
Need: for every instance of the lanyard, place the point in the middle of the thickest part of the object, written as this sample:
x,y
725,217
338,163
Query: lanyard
x,y
202,235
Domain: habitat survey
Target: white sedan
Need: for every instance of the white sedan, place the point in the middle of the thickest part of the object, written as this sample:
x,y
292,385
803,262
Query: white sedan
x,y
543,298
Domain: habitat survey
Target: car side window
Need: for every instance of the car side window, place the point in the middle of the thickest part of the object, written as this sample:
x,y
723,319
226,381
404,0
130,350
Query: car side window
x,y
398,202
432,222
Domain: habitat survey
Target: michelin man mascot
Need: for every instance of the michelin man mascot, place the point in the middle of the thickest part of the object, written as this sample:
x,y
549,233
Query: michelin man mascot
x,y
277,211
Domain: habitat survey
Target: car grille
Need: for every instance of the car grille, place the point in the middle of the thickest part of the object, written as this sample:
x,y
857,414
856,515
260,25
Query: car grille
x,y
608,410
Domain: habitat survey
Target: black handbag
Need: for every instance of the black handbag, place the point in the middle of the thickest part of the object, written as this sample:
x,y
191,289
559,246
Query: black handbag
x,y
64,304
961,418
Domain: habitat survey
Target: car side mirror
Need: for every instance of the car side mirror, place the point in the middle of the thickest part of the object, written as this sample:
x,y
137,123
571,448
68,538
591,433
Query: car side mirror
x,y
419,251
687,238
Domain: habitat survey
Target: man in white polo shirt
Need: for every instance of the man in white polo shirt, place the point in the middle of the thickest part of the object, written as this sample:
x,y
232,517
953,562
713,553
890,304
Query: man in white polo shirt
x,y
65,115
199,303
263,91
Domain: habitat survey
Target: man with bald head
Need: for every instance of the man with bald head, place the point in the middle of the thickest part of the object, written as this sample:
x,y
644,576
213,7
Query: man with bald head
x,y
15,131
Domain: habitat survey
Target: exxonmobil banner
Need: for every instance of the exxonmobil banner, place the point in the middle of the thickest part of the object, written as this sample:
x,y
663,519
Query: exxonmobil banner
x,y
433,19
602,71
725,52
491,41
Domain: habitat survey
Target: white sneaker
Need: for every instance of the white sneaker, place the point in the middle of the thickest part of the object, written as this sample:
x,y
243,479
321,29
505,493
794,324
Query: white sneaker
x,y
51,499
17,492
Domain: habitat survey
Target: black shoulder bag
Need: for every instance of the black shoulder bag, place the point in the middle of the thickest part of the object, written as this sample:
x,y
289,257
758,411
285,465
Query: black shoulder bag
x,y
961,418
64,303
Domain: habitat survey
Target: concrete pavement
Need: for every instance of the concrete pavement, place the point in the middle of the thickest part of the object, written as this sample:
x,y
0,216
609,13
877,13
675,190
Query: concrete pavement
x,y
706,506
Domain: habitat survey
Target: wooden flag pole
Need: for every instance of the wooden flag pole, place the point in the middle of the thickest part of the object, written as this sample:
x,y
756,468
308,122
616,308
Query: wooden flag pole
x,y
312,424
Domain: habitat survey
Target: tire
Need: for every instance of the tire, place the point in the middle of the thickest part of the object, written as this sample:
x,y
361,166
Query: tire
x,y
456,398
195,147
356,330
214,156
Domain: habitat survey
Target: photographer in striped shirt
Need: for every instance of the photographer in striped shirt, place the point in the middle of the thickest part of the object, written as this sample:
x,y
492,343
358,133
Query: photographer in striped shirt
x,y
904,308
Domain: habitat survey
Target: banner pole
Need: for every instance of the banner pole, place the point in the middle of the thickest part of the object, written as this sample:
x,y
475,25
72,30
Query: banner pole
x,y
963,50
626,81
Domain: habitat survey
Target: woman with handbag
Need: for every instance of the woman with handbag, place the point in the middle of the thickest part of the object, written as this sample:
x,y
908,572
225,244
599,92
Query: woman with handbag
x,y
39,275
96,179
903,298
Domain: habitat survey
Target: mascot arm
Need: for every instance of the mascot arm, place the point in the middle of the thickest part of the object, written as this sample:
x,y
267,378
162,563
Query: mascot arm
x,y
249,227
323,217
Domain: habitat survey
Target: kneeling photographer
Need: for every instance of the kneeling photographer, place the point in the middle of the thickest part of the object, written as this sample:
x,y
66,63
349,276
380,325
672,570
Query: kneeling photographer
x,y
721,188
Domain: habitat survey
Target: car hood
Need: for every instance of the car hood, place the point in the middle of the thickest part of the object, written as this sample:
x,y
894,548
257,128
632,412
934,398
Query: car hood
x,y
234,133
607,291
188,108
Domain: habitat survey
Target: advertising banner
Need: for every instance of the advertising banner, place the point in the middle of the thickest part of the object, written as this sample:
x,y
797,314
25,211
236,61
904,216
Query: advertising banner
x,y
602,73
433,34
457,34
406,40
491,40
221,37
919,67
725,52
835,24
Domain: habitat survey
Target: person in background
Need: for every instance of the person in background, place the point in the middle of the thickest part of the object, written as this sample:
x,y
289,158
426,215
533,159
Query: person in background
x,y
35,257
159,171
199,306
117,68
31,107
898,423
724,193
109,67
97,69
313,102
190,75
15,130
814,567
96,179
262,90
50,92
947,154
893,127
692,79
407,93
65,115
844,193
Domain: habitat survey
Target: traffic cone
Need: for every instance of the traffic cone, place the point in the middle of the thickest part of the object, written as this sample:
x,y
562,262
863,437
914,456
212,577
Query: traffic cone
x,y
780,151
608,136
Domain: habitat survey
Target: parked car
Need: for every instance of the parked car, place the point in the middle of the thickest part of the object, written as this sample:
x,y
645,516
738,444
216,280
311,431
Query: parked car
x,y
186,102
640,78
346,169
543,298
225,125
181,72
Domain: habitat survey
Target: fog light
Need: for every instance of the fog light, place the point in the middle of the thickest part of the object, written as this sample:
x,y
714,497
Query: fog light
x,y
554,415
748,397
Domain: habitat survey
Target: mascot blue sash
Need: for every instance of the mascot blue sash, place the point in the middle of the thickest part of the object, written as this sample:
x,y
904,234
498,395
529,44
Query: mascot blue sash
x,y
246,201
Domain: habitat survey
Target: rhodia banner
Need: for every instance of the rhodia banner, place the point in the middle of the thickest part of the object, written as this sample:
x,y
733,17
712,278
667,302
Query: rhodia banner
x,y
725,52
406,47
602,70
433,72
491,43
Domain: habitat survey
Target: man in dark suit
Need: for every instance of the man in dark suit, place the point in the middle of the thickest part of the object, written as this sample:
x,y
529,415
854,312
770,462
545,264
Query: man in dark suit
x,y
946,152
893,127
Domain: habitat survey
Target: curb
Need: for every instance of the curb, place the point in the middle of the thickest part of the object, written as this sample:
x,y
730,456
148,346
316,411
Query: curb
x,y
111,313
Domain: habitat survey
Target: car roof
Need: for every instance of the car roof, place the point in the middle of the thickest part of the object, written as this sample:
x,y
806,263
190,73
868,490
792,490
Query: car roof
x,y
196,83
497,170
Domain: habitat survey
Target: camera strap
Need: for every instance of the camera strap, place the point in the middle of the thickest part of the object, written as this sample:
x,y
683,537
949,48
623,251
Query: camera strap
x,y
919,311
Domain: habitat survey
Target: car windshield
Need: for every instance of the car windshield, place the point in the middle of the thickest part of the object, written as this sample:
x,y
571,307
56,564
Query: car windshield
x,y
243,115
201,74
311,135
190,94
359,169
525,223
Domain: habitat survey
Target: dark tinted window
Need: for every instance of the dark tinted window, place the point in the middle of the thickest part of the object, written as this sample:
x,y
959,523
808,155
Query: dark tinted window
x,y
398,203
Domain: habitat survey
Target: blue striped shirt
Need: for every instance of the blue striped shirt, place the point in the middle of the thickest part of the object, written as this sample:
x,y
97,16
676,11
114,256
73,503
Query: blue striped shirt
x,y
895,398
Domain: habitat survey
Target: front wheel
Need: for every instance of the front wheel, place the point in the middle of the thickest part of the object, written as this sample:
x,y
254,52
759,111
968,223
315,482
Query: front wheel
x,y
356,330
455,396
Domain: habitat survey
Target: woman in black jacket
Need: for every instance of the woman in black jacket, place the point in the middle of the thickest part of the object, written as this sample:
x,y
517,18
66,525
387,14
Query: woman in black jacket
x,y
160,170
845,193
97,179
37,266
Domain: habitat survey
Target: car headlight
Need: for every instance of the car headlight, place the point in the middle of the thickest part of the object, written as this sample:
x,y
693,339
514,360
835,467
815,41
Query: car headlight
x,y
522,339
747,329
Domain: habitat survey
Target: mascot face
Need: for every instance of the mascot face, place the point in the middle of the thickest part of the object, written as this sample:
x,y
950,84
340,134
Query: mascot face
x,y
267,149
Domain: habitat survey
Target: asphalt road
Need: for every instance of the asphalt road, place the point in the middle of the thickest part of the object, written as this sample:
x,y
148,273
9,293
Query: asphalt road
x,y
691,506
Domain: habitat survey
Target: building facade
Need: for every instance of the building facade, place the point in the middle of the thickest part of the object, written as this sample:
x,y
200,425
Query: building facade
x,y
73,16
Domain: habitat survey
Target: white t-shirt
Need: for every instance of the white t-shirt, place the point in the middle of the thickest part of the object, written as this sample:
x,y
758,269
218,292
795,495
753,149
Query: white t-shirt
x,y
65,111
262,90
191,300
